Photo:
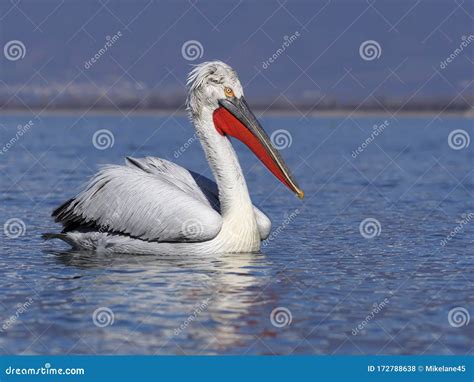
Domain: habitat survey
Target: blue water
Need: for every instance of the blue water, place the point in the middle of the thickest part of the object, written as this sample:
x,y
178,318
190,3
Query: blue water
x,y
318,267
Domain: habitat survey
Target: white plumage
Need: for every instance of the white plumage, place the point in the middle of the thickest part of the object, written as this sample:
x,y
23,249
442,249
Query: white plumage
x,y
151,205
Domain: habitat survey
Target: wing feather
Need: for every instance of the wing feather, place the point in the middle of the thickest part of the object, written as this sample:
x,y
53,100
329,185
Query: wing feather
x,y
198,184
150,199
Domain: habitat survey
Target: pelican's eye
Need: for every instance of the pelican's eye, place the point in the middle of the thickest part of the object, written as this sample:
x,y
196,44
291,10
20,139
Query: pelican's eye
x,y
228,92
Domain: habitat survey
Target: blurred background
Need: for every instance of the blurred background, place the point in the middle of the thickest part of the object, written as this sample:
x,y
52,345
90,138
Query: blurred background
x,y
291,55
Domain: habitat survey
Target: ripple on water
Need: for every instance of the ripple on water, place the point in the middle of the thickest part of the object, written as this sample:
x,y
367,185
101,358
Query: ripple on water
x,y
318,266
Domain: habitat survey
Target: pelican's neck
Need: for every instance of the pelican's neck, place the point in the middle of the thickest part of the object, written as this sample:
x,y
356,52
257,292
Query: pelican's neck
x,y
233,192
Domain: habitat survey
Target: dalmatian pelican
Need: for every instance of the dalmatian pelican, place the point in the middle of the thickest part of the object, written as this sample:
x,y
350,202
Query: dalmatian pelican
x,y
151,205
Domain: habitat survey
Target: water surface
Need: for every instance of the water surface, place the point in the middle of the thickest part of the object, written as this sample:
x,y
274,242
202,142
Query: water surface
x,y
317,270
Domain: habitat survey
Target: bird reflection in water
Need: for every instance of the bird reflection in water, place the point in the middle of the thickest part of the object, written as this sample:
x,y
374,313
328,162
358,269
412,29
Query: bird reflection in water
x,y
178,304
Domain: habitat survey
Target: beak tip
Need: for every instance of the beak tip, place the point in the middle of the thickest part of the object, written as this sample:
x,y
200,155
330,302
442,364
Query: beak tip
x,y
300,194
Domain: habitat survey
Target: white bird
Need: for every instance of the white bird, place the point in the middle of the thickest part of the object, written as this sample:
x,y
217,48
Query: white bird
x,y
151,205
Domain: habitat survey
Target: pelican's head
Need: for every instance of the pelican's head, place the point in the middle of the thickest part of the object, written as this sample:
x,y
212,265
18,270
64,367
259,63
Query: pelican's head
x,y
214,88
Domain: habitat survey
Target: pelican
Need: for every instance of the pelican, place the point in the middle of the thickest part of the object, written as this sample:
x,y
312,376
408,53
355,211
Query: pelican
x,y
151,205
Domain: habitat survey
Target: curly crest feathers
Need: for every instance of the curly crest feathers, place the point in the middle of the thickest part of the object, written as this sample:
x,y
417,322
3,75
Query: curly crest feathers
x,y
213,73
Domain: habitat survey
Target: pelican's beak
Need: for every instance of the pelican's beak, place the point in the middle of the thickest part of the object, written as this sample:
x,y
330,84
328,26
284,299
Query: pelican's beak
x,y
235,118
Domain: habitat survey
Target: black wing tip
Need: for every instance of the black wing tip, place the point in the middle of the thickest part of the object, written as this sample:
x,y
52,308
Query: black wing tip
x,y
133,161
49,236
61,209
